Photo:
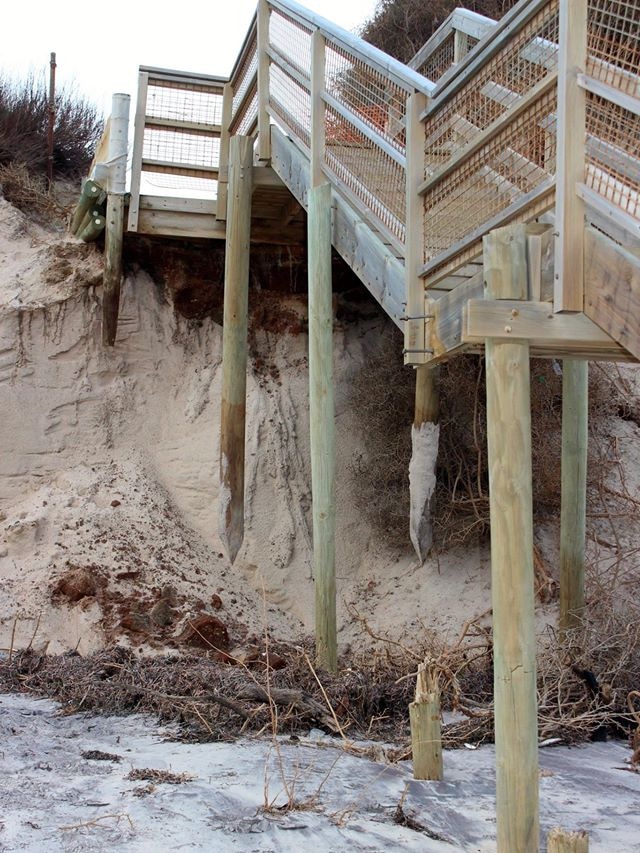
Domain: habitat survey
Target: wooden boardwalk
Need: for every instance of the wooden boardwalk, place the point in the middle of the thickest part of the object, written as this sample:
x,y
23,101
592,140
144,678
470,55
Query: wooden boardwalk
x,y
487,195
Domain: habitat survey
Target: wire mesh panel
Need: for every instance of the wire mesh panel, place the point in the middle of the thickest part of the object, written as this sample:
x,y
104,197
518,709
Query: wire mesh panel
x,y
440,60
184,102
375,177
291,39
244,82
291,102
506,170
367,171
612,154
181,133
613,132
613,43
518,159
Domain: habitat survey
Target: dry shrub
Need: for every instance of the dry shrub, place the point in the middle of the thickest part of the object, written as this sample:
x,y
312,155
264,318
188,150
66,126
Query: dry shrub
x,y
24,118
383,394
583,684
401,27
28,191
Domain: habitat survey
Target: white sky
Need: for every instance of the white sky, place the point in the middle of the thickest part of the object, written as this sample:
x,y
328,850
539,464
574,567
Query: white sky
x,y
100,46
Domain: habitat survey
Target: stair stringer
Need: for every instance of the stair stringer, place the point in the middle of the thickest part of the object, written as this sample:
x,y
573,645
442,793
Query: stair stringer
x,y
381,272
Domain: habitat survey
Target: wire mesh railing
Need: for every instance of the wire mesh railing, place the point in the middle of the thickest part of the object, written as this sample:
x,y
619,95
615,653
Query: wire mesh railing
x,y
492,145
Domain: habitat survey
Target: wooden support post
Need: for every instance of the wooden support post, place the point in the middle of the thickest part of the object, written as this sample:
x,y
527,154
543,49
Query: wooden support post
x,y
559,841
93,228
136,155
114,228
424,716
234,345
571,141
575,415
425,436
509,453
317,108
223,163
414,327
91,195
321,404
264,130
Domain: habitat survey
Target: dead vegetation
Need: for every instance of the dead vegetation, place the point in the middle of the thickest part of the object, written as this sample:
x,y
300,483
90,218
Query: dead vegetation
x,y
584,685
383,394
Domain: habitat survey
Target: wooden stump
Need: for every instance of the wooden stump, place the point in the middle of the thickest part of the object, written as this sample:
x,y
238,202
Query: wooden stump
x,y
424,716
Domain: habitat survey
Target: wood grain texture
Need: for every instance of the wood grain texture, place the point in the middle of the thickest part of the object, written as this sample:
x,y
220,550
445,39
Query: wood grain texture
x,y
612,289
571,141
322,414
234,346
509,454
573,505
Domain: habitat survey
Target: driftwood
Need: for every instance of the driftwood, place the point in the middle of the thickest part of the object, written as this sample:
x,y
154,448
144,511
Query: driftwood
x,y
286,697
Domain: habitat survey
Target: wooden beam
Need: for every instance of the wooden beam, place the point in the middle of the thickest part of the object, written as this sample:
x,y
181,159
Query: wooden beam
x,y
573,509
535,322
264,134
223,159
234,347
571,141
194,128
136,155
509,454
321,405
190,170
414,327
114,227
318,130
612,290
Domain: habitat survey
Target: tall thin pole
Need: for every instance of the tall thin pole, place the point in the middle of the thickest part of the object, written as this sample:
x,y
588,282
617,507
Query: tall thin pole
x,y
234,345
514,640
114,230
573,506
52,118
321,405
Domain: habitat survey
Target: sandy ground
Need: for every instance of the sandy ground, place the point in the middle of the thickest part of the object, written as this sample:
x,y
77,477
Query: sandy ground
x,y
53,799
84,429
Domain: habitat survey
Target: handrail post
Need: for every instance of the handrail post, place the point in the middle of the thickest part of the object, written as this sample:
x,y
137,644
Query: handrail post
x,y
570,154
318,132
136,155
264,131
414,329
223,162
117,157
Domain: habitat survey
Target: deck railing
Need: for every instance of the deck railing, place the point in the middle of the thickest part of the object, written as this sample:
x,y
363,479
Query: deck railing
x,y
541,108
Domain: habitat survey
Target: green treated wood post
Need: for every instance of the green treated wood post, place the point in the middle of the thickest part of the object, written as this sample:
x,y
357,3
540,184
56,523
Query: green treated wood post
x,y
321,404
510,482
91,195
573,508
114,228
234,345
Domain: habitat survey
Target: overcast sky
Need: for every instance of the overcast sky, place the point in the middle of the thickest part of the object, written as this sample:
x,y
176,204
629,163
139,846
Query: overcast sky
x,y
101,45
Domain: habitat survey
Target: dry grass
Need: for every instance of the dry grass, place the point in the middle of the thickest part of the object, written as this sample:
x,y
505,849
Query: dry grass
x,y
583,684
28,192
383,394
